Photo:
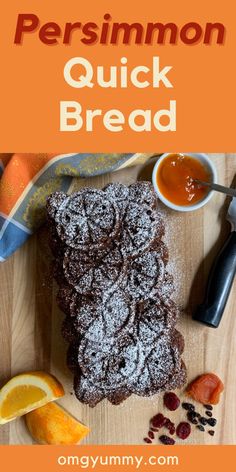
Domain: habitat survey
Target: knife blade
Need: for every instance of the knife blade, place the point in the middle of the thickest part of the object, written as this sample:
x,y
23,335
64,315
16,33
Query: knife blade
x,y
221,278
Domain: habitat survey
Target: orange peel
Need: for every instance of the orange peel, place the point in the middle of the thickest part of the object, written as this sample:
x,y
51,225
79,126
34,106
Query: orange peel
x,y
51,424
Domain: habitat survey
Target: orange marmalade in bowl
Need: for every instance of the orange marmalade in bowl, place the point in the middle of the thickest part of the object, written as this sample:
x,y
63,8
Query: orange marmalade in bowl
x,y
175,179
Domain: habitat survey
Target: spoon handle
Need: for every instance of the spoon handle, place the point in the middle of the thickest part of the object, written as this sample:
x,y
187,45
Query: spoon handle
x,y
217,187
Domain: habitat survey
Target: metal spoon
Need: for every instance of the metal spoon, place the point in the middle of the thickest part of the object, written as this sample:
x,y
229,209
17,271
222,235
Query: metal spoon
x,y
216,187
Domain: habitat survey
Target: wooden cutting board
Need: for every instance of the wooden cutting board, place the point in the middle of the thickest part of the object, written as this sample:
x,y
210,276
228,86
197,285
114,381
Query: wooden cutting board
x,y
30,322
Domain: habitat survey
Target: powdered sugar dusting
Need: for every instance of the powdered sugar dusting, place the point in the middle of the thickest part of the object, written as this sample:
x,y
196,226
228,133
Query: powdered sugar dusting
x,y
116,292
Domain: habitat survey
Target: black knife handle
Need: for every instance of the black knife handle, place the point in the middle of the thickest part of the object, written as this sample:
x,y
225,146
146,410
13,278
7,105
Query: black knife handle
x,y
219,285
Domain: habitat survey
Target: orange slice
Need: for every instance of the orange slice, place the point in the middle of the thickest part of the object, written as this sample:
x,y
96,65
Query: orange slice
x,y
51,424
26,392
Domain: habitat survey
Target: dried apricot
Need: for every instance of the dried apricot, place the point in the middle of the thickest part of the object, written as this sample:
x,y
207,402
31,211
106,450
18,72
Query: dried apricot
x,y
206,389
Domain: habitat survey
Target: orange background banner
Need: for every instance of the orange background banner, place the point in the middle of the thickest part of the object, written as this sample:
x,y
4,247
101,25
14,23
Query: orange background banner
x,y
148,458
32,82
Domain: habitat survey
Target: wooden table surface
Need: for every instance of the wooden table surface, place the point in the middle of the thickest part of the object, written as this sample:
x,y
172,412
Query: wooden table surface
x,y
30,322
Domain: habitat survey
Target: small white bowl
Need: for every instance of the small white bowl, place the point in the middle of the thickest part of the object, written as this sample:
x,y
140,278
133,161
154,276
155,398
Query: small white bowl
x,y
207,163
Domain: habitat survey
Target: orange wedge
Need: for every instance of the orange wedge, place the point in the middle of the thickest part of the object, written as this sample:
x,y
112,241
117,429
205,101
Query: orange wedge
x,y
51,424
25,392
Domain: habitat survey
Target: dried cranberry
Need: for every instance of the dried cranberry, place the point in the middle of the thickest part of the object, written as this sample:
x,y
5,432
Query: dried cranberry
x,y
183,430
147,440
167,440
158,421
171,401
151,435
170,426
